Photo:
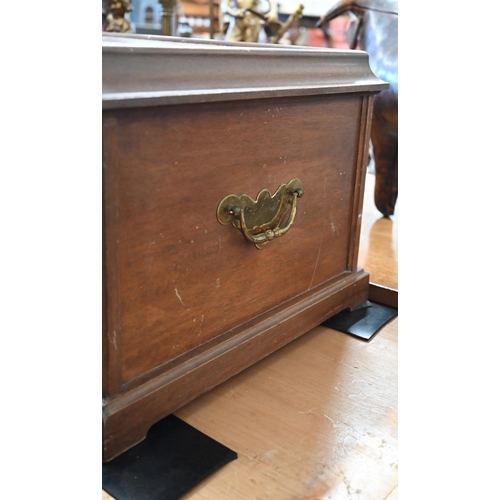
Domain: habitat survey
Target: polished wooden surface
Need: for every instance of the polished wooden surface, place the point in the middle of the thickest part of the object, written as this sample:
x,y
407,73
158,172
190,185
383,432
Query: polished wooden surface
x,y
169,256
317,419
188,303
137,74
378,251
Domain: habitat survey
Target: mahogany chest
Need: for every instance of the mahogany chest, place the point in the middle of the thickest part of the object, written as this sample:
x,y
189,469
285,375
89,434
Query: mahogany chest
x,y
233,179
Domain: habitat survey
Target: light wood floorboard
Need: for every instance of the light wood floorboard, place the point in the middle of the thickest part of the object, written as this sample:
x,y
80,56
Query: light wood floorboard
x,y
378,249
317,419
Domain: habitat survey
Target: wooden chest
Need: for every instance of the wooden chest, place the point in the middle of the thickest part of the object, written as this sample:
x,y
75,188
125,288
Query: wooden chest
x,y
200,282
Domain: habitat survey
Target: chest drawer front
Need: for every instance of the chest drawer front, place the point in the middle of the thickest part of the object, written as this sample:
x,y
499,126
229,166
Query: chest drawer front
x,y
185,279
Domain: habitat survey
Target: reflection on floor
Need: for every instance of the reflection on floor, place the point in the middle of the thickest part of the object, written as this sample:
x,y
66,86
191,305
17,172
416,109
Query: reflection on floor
x,y
378,249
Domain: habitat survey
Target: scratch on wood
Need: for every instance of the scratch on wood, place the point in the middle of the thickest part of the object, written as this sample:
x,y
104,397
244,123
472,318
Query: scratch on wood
x,y
331,421
179,297
220,245
317,260
308,411
114,339
201,324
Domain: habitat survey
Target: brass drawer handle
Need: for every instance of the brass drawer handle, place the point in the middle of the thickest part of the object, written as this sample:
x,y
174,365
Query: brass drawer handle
x,y
259,219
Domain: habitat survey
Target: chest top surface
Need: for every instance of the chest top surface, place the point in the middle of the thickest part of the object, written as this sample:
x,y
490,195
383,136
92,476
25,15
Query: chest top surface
x,y
143,70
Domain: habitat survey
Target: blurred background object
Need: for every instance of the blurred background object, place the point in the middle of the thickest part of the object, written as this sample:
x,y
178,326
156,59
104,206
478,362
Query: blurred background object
x,y
209,19
247,19
116,12
284,27
183,28
374,29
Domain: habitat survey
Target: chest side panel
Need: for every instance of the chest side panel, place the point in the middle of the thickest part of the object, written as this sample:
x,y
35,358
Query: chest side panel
x,y
184,279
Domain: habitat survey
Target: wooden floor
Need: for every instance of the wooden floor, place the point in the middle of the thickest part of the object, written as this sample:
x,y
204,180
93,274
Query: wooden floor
x,y
317,419
378,249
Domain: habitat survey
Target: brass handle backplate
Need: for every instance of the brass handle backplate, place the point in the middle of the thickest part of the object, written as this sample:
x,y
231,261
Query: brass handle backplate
x,y
259,219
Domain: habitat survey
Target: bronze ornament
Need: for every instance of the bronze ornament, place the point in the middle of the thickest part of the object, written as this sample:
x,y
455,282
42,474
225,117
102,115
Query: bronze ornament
x,y
258,220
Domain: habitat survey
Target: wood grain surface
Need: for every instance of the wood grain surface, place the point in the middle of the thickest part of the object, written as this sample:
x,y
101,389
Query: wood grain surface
x,y
316,420
181,275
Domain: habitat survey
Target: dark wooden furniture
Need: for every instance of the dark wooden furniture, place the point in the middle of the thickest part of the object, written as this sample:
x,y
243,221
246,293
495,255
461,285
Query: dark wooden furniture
x,y
187,301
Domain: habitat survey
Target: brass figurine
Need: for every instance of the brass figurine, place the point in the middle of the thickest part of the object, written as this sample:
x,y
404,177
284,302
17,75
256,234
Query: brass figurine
x,y
115,20
248,21
296,14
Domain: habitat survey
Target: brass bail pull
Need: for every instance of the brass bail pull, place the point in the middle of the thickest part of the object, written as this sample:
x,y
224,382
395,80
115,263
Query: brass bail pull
x,y
258,220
